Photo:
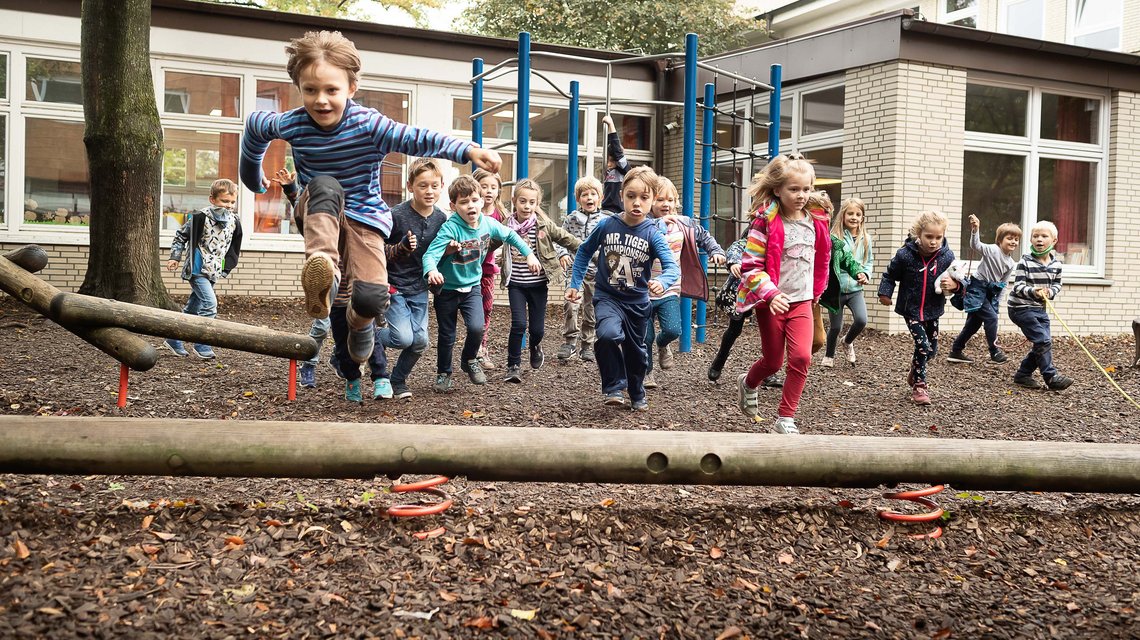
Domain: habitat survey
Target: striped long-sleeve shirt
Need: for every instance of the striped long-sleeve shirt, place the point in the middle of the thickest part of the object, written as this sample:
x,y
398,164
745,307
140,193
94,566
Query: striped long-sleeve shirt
x,y
351,153
1028,275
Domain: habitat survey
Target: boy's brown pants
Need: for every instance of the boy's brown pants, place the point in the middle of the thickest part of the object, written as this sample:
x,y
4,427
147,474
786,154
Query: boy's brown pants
x,y
355,247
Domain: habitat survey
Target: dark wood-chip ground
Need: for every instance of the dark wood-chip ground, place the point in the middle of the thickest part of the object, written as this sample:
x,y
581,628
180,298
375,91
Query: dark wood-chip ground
x,y
145,557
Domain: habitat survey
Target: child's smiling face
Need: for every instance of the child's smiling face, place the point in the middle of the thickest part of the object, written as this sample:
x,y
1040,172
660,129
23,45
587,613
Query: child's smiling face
x,y
325,91
526,203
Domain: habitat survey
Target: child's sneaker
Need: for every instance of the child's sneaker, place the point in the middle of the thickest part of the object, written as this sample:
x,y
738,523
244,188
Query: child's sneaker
x,y
567,351
177,347
361,342
919,395
773,381
747,398
442,383
959,357
514,374
849,352
307,375
474,371
587,354
614,399
485,360
827,362
1059,382
998,357
204,351
650,381
665,357
401,391
1026,381
639,405
382,389
352,391
785,426
714,372
537,357
336,368
317,278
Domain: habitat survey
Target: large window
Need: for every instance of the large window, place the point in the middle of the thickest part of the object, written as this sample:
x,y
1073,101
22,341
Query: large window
x,y
53,81
1025,18
191,161
1096,23
3,165
963,13
1037,153
56,187
202,95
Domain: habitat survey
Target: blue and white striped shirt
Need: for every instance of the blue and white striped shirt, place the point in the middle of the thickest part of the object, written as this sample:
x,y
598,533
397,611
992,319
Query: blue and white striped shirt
x,y
1028,275
351,153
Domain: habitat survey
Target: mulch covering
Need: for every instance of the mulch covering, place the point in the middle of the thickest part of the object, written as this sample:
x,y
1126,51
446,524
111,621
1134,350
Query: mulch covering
x,y
220,558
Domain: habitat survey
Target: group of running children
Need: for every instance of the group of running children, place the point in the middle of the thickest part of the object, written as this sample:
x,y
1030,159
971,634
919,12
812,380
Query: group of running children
x,y
369,269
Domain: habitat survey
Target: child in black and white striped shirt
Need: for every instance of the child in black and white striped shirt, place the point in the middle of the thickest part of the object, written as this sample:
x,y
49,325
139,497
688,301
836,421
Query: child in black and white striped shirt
x,y
1037,278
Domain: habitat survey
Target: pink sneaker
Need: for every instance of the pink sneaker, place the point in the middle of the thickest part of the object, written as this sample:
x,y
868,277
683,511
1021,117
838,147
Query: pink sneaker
x,y
919,395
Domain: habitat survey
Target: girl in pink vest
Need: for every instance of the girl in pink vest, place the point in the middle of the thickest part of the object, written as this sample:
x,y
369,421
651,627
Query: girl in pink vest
x,y
784,270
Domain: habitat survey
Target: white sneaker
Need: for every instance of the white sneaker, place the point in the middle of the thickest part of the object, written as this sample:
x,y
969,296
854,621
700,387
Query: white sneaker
x,y
849,351
827,362
786,426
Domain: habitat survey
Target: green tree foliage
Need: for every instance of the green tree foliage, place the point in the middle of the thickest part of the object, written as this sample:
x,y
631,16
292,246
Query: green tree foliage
x,y
354,9
649,26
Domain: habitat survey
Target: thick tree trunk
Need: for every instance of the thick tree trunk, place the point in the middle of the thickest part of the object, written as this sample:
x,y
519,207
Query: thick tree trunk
x,y
124,151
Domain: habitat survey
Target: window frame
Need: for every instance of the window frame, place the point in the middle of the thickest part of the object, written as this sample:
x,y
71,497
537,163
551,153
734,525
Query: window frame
x,y
949,17
1003,16
1071,32
1034,148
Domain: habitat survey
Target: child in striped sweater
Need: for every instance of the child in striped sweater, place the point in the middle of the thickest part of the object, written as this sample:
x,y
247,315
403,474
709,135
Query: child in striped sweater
x,y
1037,278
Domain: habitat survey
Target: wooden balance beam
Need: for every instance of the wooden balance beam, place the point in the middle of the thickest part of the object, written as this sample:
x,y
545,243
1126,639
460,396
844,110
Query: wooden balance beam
x,y
237,448
80,310
120,344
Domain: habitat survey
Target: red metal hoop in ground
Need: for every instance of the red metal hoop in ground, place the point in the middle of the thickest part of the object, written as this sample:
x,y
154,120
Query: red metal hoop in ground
x,y
920,497
419,510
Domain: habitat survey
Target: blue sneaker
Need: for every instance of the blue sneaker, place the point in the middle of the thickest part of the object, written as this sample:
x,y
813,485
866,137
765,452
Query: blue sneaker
x,y
308,376
204,351
381,389
352,390
176,347
335,367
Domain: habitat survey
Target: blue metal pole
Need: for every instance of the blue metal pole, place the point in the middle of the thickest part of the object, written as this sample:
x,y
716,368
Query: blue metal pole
x,y
688,172
774,111
522,114
477,104
706,190
572,150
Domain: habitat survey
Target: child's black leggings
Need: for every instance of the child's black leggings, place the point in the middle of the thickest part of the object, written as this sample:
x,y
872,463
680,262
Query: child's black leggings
x,y
728,338
925,334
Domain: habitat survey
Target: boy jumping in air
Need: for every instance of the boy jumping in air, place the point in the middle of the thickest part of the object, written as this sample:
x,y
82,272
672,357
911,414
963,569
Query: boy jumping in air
x,y
337,149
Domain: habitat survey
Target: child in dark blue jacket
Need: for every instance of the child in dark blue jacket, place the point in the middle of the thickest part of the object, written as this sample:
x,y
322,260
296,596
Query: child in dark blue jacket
x,y
916,267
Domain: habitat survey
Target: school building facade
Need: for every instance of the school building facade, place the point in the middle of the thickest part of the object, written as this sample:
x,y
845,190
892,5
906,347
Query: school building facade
x,y
910,114
212,66
904,113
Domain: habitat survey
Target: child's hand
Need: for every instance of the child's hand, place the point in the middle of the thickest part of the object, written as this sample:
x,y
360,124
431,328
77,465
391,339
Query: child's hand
x,y
717,259
171,265
655,288
265,182
862,279
885,301
609,124
410,241
284,177
779,304
573,295
533,264
487,159
566,261
734,269
452,248
435,278
1043,293
974,223
949,285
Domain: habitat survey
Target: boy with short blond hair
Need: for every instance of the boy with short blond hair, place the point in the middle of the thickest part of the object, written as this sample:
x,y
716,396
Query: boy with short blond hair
x,y
578,317
337,147
983,293
468,234
1037,278
207,247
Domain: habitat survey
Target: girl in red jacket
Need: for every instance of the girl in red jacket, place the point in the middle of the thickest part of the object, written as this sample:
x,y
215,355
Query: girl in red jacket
x,y
785,269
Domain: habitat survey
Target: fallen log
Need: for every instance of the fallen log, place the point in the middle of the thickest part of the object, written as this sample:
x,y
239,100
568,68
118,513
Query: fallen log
x,y
81,310
30,257
236,448
120,344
